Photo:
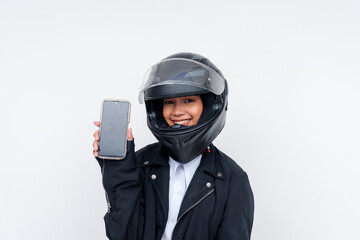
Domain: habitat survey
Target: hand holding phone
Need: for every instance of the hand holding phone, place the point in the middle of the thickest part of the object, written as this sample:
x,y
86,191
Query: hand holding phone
x,y
129,137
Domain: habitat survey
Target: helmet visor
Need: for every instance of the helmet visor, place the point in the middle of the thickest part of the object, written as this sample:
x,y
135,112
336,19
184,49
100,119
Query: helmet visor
x,y
185,73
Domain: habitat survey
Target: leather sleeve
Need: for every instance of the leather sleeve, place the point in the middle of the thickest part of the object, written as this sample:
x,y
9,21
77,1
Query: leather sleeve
x,y
122,184
238,215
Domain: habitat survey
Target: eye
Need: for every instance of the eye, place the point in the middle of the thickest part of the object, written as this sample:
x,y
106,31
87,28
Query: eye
x,y
189,100
168,102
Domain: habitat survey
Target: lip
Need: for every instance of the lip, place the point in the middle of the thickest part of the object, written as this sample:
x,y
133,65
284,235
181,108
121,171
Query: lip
x,y
185,122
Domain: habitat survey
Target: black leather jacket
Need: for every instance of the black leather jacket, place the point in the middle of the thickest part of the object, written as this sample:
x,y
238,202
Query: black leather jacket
x,y
218,203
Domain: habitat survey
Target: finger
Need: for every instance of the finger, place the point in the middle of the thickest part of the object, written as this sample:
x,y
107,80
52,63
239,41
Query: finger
x,y
95,143
96,135
97,123
95,146
129,135
96,149
95,153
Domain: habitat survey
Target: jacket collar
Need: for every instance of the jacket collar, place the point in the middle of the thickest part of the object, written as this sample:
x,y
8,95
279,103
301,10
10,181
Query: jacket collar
x,y
208,162
157,157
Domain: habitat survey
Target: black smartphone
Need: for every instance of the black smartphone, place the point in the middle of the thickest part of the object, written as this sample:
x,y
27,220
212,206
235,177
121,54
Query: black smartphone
x,y
115,117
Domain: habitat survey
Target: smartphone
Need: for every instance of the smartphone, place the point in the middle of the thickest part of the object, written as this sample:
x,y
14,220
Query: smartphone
x,y
115,118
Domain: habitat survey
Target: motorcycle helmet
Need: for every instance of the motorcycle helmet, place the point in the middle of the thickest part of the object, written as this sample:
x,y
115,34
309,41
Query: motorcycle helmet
x,y
185,74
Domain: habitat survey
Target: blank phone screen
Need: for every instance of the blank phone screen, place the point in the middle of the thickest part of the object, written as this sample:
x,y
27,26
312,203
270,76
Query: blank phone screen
x,y
113,129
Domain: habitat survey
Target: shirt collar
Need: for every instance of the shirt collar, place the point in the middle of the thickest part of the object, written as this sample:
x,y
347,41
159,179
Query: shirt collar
x,y
189,168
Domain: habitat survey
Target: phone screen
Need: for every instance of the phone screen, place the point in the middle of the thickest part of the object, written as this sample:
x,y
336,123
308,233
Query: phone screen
x,y
113,129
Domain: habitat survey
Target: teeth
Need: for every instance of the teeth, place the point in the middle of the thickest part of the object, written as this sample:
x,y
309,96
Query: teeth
x,y
181,122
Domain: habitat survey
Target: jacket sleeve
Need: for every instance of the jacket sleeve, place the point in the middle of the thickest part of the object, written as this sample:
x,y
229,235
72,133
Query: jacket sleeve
x,y
239,211
122,184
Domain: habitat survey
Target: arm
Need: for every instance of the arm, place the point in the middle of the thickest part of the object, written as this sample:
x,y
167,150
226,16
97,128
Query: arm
x,y
239,211
122,184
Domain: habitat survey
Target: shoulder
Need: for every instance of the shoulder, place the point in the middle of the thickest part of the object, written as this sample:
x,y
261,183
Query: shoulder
x,y
227,162
229,166
237,178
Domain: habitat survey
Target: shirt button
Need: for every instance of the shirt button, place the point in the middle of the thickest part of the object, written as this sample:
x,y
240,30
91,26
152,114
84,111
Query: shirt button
x,y
208,185
153,177
146,162
219,174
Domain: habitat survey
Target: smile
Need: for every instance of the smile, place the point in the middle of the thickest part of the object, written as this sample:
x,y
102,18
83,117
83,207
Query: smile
x,y
182,122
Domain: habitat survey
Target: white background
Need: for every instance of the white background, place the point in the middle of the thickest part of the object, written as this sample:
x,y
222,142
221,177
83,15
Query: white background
x,y
293,119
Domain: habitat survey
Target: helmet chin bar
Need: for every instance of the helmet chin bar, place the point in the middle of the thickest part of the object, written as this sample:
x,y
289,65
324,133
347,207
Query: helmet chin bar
x,y
184,146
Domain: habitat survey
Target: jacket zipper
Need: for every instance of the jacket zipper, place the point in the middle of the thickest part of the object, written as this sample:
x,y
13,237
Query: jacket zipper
x,y
106,194
190,209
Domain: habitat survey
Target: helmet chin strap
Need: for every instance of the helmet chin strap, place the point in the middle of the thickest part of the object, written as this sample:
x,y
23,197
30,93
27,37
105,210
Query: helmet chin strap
x,y
206,150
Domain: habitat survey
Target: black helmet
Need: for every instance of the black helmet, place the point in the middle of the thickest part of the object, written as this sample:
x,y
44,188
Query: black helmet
x,y
185,74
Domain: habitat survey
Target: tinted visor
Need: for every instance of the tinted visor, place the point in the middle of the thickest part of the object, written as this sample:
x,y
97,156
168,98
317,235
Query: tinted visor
x,y
177,77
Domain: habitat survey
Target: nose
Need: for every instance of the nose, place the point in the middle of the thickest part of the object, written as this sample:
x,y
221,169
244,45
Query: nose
x,y
178,109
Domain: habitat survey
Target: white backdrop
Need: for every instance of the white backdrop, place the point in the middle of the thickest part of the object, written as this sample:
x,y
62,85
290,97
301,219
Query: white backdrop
x,y
293,119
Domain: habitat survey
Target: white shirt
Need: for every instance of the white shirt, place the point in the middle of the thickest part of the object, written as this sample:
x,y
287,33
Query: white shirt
x,y
180,178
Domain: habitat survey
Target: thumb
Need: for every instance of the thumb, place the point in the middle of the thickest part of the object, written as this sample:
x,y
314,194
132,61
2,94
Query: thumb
x,y
129,135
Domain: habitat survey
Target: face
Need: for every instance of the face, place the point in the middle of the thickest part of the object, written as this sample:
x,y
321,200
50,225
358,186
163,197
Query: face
x,y
183,110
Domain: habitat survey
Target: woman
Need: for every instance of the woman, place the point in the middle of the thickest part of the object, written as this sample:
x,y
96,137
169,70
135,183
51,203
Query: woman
x,y
182,187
